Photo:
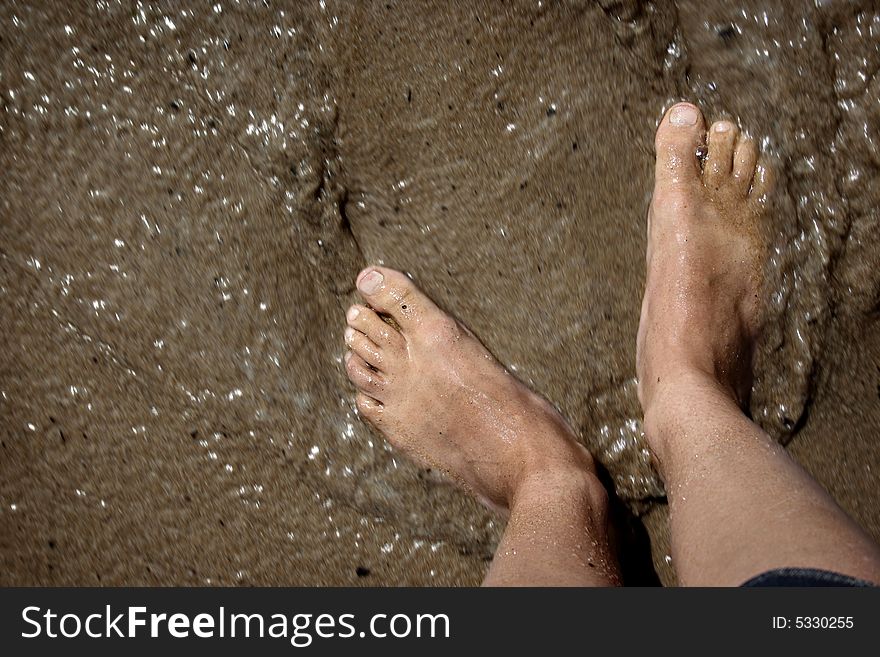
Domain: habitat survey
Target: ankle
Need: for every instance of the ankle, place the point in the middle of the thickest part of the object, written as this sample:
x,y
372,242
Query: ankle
x,y
671,410
549,455
547,488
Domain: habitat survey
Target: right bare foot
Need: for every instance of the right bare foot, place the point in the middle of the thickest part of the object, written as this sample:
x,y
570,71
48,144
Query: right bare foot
x,y
701,312
434,391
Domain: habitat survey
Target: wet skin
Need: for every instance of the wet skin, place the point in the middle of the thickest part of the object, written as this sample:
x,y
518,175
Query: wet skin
x,y
701,308
435,392
739,505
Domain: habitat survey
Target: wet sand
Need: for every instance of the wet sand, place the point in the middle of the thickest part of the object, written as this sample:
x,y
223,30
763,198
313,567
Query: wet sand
x,y
189,191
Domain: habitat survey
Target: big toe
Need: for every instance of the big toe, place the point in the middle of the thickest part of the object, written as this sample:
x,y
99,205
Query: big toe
x,y
391,292
680,134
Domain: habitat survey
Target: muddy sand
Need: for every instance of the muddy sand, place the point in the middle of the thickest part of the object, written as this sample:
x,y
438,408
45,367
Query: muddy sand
x,y
188,190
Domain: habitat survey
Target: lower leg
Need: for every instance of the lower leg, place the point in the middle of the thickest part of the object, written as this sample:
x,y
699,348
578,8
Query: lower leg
x,y
738,504
556,536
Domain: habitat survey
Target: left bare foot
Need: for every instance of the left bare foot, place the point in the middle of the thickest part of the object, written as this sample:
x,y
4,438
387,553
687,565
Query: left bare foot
x,y
436,393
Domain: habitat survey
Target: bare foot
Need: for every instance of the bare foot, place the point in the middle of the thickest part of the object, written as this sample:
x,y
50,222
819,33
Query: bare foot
x,y
700,313
436,393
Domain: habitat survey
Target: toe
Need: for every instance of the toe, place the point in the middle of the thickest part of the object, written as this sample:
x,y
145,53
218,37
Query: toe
x,y
762,184
393,293
744,161
365,379
361,345
719,161
681,132
370,409
366,321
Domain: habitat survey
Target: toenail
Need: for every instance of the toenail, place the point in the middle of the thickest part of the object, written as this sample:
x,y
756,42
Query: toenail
x,y
353,312
349,334
371,282
683,115
723,126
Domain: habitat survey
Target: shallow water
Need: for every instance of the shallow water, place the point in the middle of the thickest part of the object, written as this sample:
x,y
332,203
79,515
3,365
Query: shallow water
x,y
190,189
